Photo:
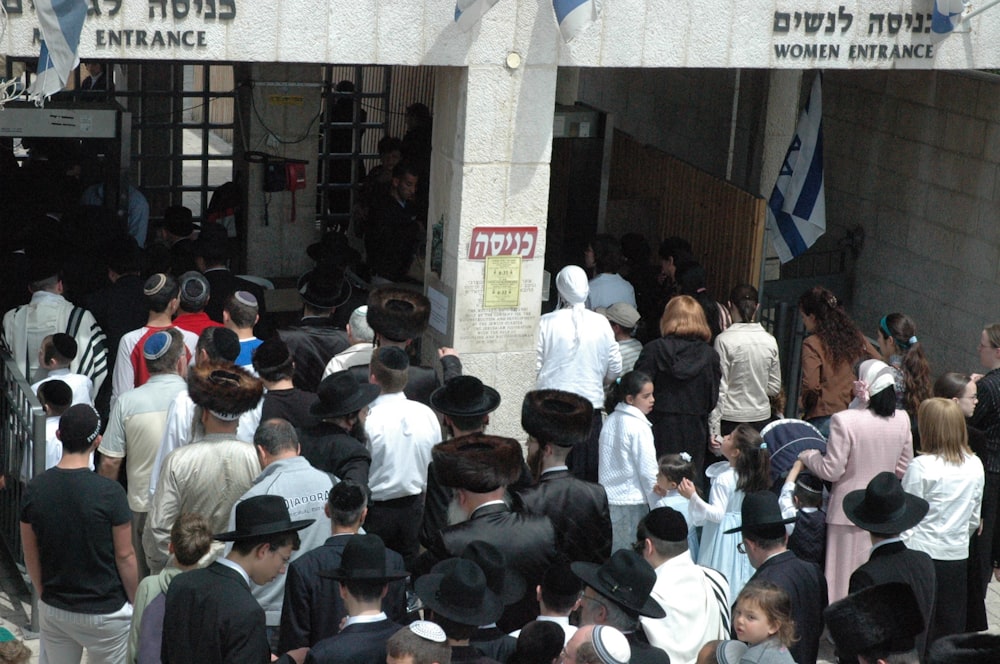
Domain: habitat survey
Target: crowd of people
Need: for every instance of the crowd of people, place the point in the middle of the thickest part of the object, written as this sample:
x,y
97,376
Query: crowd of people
x,y
312,493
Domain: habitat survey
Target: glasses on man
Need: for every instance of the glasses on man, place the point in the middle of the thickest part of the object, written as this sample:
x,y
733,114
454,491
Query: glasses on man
x,y
741,548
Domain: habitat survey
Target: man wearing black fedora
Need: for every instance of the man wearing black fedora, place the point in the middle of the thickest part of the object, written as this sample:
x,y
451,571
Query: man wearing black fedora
x,y
766,542
877,625
617,593
456,597
316,338
399,317
337,443
557,423
211,616
885,510
364,581
479,468
466,404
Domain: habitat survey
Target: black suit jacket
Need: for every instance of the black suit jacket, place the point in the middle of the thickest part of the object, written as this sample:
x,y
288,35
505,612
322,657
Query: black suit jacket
x,y
894,562
312,343
211,618
361,643
527,541
643,652
224,283
331,449
313,609
579,513
806,587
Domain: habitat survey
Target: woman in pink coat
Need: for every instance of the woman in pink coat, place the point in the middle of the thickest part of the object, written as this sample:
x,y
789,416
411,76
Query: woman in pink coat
x,y
868,438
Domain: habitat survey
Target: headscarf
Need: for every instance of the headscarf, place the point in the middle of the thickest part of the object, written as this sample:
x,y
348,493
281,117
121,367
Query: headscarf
x,y
573,287
873,377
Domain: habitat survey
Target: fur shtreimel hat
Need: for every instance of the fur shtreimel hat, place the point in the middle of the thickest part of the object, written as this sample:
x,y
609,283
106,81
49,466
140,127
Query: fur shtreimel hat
x,y
965,649
557,417
398,314
224,389
882,619
478,462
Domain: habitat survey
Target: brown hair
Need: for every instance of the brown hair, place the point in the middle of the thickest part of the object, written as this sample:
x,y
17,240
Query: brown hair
x,y
942,430
684,317
191,537
775,604
390,380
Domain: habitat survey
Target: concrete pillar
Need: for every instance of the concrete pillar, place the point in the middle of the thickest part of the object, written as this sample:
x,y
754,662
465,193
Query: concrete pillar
x,y
490,167
781,116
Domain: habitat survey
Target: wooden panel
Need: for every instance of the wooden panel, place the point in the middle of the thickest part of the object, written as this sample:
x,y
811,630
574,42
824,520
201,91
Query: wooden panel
x,y
724,223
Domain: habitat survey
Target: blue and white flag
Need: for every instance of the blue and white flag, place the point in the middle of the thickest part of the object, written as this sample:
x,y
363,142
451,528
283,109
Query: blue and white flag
x,y
60,22
575,15
468,12
946,16
796,212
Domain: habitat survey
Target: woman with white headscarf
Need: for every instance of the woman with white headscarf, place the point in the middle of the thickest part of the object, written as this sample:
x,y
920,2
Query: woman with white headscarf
x,y
868,438
577,352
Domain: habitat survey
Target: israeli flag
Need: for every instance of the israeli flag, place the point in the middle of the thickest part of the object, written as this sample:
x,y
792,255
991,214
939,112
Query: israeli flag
x,y
575,15
796,212
468,12
946,16
60,22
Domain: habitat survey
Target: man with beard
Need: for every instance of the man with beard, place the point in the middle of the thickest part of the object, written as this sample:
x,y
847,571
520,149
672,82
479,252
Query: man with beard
x,y
337,444
556,421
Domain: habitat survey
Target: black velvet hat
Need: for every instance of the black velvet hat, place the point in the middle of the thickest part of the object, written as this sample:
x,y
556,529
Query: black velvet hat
x,y
880,619
363,559
262,515
761,516
557,417
626,579
458,591
883,507
340,393
465,396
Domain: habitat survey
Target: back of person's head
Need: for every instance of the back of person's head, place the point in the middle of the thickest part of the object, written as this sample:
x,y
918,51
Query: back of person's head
x,y
676,467
272,361
629,385
539,642
951,385
636,249
916,371
607,253
162,350
79,427
753,465
388,144
674,246
943,431
360,329
194,292
390,366
191,537
60,347
219,343
124,256
276,436
423,641
347,501
667,531
841,338
684,317
160,289
242,307
560,588
808,490
56,396
12,649
745,298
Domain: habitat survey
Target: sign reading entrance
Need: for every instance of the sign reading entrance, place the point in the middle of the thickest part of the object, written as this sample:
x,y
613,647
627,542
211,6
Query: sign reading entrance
x,y
503,241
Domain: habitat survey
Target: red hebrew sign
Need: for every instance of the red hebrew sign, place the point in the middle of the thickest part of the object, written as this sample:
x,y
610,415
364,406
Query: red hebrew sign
x,y
503,241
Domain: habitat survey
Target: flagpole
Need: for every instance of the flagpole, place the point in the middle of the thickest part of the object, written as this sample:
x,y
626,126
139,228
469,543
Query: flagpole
x,y
976,12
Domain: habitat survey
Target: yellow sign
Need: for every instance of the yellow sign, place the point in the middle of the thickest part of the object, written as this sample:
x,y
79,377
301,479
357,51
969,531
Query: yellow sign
x,y
502,282
286,100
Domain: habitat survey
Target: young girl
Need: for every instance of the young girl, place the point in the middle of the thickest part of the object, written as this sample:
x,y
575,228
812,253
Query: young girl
x,y
900,349
627,456
747,468
675,468
762,619
950,478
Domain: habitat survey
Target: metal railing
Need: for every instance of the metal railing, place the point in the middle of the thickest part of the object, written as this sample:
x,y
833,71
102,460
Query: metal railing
x,y
23,422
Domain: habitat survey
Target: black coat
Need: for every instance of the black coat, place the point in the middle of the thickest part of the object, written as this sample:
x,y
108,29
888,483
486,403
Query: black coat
x,y
421,381
643,652
211,618
333,450
806,587
361,643
528,543
893,562
312,343
578,511
313,608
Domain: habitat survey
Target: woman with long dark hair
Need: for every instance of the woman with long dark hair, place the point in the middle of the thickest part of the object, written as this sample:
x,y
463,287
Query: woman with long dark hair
x,y
829,353
901,349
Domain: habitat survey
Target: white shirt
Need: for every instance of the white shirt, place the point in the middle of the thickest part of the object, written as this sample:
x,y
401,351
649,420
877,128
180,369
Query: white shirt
x,y
607,289
362,620
627,457
751,373
955,494
577,352
723,478
124,377
82,386
401,434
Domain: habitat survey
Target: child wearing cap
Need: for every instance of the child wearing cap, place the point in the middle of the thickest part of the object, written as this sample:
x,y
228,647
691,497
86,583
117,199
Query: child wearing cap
x,y
55,355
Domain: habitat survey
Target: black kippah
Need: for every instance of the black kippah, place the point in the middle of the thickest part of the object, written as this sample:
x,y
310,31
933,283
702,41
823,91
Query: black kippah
x,y
667,524
65,345
393,358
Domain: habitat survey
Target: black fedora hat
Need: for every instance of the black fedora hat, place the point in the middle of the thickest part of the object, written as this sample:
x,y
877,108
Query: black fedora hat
x,y
500,578
884,618
761,516
626,579
363,559
465,396
212,242
459,593
883,507
323,287
262,515
340,393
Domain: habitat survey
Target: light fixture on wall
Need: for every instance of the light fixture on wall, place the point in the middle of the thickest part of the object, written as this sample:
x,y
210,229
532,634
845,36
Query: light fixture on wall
x,y
513,60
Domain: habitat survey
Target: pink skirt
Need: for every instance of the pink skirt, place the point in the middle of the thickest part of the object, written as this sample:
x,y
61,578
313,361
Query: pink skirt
x,y
847,548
